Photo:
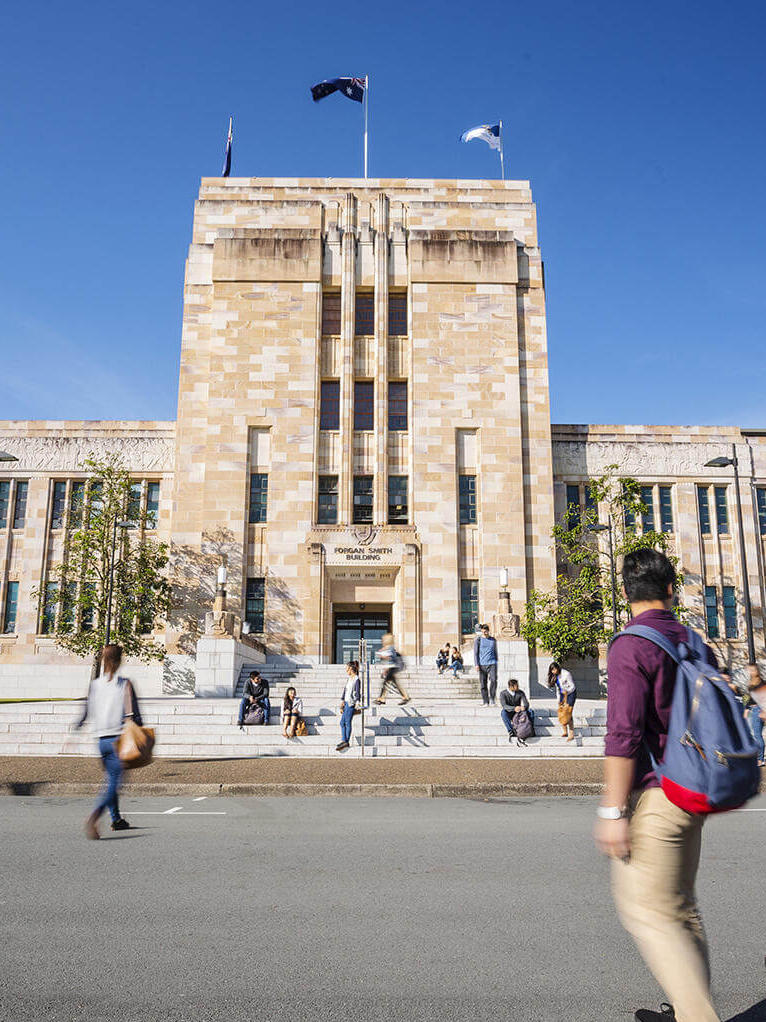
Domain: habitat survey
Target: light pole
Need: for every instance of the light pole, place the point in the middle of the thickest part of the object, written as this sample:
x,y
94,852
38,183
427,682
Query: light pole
x,y
724,463
117,525
612,567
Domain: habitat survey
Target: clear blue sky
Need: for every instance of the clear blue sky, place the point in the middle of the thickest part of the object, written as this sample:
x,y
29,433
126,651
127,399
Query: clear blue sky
x,y
640,127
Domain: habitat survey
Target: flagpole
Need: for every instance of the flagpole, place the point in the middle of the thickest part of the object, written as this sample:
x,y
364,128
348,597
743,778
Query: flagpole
x,y
502,164
366,91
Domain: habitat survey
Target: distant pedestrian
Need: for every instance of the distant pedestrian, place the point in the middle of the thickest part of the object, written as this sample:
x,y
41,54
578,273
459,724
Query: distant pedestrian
x,y
485,658
442,659
512,699
348,702
110,700
256,694
562,681
456,662
292,712
392,663
752,712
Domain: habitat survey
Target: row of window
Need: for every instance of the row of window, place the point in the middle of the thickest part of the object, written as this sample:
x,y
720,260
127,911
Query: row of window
x,y
364,405
77,494
364,313
729,612
721,509
658,501
18,515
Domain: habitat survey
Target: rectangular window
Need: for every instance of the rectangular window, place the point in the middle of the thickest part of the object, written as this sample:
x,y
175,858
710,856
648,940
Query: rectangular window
x,y
467,496
647,517
259,492
255,599
327,509
58,506
590,504
76,504
666,508
331,312
152,505
134,503
760,498
68,607
48,619
20,505
469,605
329,408
711,611
397,407
96,495
364,404
398,509
721,510
573,506
5,499
703,508
397,315
11,607
364,313
730,612
363,490
88,597
628,517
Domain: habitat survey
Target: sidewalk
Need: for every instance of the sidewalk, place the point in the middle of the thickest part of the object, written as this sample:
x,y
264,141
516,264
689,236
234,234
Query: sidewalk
x,y
434,778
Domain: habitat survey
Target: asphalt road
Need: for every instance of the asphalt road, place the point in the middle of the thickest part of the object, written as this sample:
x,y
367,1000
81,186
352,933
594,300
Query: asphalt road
x,y
345,909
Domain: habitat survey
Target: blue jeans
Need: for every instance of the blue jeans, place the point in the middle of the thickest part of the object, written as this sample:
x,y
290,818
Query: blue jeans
x,y
508,720
113,767
756,728
455,668
345,722
263,703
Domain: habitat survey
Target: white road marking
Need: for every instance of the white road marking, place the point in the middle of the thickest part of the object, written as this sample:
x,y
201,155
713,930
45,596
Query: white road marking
x,y
177,809
176,812
200,799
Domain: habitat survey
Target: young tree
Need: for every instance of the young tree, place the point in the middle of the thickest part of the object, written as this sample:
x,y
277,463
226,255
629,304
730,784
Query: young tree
x,y
576,620
111,576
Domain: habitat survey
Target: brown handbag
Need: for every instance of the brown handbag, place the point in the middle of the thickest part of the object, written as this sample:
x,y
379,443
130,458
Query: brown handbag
x,y
135,744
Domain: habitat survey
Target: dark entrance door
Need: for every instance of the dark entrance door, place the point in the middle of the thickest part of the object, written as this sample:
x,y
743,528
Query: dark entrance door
x,y
351,626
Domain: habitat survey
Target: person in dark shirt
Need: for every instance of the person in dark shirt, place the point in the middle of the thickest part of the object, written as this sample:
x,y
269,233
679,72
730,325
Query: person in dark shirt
x,y
512,699
256,692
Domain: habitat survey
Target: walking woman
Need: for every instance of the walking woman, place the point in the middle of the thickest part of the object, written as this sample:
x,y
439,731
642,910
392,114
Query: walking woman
x,y
391,661
564,684
348,701
292,711
110,700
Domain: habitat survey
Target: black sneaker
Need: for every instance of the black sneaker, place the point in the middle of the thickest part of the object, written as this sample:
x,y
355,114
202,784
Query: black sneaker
x,y
121,824
665,1014
341,746
510,736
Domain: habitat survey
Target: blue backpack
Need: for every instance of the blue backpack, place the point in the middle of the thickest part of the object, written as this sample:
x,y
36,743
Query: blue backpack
x,y
711,760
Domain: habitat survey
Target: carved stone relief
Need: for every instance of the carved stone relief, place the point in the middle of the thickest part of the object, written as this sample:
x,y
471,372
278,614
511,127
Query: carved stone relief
x,y
68,454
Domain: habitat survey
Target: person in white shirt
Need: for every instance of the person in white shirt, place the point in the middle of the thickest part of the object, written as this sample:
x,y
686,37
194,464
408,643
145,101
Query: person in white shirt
x,y
348,701
292,710
566,690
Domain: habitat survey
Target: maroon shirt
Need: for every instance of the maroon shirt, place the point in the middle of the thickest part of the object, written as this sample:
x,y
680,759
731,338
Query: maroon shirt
x,y
641,679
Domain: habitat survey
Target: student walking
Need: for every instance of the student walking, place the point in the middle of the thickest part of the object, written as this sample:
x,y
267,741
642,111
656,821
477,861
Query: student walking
x,y
110,700
485,658
348,703
392,663
566,691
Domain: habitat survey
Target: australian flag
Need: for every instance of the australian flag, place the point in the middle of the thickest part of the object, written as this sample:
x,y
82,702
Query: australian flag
x,y
353,88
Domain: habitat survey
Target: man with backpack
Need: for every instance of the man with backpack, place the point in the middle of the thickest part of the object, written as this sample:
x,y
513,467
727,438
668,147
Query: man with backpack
x,y
513,703
256,694
654,844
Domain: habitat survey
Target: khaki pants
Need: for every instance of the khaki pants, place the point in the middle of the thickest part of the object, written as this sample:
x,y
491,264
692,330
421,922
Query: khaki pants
x,y
654,894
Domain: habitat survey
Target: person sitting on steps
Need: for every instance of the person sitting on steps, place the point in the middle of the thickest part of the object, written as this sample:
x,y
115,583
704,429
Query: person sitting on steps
x,y
256,692
442,659
456,663
292,711
511,700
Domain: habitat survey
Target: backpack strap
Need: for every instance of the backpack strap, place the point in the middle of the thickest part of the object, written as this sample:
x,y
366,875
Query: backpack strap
x,y
652,635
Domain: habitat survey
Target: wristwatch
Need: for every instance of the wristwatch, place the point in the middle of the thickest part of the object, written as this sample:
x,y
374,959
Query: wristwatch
x,y
612,813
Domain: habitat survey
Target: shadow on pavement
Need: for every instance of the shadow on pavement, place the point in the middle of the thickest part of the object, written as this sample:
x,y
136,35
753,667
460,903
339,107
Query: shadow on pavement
x,y
755,1014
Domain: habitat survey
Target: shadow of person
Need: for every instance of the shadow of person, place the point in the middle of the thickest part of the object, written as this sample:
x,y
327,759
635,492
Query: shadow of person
x,y
755,1014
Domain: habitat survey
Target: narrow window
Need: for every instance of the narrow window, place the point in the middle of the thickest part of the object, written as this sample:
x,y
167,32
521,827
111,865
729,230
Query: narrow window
x,y
134,503
398,509
721,510
255,599
397,407
397,315
364,401
362,500
331,312
760,496
58,505
327,510
703,508
76,504
730,612
364,313
20,505
88,597
628,516
329,408
96,489
469,605
68,607
666,508
647,517
152,505
711,611
259,492
11,607
573,506
467,496
5,499
590,504
48,622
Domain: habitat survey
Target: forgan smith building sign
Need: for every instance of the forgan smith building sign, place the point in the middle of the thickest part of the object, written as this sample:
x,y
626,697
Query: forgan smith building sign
x,y
364,554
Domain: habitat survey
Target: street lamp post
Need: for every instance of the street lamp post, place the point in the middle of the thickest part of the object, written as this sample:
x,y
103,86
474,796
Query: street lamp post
x,y
117,525
612,568
724,463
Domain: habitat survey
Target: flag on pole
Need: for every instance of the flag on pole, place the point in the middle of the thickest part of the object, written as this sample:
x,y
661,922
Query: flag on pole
x,y
227,158
489,133
353,88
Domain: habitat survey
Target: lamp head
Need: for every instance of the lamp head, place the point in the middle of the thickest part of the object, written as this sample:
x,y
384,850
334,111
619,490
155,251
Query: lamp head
x,y
504,578
597,527
719,462
221,576
5,456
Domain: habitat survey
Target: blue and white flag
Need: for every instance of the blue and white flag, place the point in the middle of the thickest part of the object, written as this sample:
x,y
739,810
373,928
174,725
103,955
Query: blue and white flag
x,y
489,133
353,88
227,158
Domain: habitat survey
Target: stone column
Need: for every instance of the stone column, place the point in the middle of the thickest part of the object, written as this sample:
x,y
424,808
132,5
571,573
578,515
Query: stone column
x,y
347,311
381,361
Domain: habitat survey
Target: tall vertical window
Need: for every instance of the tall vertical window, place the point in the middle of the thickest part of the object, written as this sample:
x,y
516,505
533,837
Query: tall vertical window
x,y
628,517
20,505
364,313
5,499
703,509
721,509
134,503
327,500
152,504
364,405
469,605
88,596
255,600
259,492
647,517
58,505
11,607
76,504
397,406
711,611
397,315
362,500
760,499
573,505
730,612
96,496
590,504
329,407
48,618
68,606
398,508
331,312
467,499
666,508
